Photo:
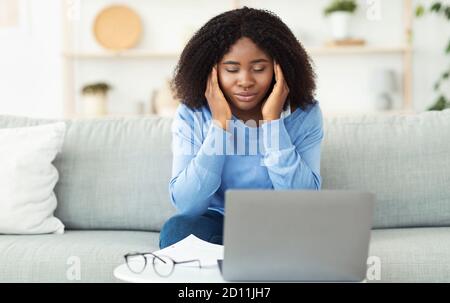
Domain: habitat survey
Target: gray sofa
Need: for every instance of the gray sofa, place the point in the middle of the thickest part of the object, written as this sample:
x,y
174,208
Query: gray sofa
x,y
113,195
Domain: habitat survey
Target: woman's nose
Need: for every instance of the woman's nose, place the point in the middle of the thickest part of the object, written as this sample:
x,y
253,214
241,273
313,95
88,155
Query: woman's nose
x,y
246,79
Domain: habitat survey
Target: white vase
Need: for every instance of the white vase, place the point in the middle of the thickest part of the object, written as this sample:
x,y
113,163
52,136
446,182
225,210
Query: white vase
x,y
164,104
94,105
340,25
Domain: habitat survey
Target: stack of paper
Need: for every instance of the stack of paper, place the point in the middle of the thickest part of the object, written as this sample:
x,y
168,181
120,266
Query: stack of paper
x,y
193,248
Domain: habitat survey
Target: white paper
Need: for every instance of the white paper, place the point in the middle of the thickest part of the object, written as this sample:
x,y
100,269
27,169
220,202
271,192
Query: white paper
x,y
193,248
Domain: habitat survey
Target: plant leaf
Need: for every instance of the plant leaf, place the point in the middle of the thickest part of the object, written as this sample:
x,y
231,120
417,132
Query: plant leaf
x,y
420,10
341,5
437,85
443,77
440,103
436,7
447,12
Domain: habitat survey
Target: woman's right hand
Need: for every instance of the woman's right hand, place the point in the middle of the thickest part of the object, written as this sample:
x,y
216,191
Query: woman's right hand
x,y
220,110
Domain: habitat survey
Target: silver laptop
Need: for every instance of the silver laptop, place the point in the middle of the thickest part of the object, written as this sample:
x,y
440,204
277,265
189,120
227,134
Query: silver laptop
x,y
296,235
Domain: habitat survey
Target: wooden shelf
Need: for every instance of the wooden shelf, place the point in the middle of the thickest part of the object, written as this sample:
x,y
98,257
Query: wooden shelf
x,y
358,50
78,116
121,54
137,54
396,112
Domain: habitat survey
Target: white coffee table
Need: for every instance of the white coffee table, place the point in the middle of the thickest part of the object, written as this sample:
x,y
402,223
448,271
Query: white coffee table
x,y
181,274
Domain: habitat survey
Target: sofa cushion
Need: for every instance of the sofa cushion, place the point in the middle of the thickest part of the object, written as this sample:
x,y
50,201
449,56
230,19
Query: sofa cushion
x,y
76,256
412,254
114,172
403,159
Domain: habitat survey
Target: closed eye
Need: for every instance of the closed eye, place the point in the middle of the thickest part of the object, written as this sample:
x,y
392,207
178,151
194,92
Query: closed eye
x,y
235,70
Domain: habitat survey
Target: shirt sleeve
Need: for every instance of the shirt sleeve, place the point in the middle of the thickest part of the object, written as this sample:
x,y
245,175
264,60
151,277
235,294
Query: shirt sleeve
x,y
197,165
294,163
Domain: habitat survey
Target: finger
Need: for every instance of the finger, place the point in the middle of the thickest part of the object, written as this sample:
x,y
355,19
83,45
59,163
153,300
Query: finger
x,y
280,73
210,80
214,75
275,70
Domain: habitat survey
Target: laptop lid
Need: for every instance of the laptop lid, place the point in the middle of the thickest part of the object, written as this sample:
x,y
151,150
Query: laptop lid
x,y
296,235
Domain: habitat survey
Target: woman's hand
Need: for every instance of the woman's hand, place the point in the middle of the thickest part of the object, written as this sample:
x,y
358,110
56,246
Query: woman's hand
x,y
273,106
220,110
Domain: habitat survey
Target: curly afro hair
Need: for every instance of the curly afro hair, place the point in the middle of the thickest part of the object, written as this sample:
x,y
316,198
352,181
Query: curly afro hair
x,y
211,42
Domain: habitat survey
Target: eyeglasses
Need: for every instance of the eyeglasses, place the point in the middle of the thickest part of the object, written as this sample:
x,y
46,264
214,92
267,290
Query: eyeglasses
x,y
163,266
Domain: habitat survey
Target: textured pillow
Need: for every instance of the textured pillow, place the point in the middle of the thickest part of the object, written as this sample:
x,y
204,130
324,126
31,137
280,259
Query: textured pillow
x,y
403,159
28,177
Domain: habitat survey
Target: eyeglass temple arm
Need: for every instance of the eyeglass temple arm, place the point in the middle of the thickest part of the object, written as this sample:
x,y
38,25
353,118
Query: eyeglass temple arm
x,y
189,261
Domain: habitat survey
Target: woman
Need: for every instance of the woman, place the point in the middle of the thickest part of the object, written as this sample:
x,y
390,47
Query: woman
x,y
248,119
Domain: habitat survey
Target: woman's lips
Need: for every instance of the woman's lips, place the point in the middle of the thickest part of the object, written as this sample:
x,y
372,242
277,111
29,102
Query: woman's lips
x,y
245,98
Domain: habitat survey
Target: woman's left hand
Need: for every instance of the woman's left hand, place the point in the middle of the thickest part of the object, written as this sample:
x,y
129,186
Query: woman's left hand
x,y
273,106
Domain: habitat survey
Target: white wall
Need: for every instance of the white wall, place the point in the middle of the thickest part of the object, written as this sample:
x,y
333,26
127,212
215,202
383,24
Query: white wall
x,y
31,66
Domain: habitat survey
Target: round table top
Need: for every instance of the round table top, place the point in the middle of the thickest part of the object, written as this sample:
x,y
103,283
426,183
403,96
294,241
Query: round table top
x,y
181,274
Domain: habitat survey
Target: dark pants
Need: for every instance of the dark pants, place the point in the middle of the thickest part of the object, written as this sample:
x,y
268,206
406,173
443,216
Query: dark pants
x,y
208,227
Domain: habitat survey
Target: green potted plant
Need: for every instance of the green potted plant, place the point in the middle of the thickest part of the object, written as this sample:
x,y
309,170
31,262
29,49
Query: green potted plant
x,y
95,98
443,100
340,12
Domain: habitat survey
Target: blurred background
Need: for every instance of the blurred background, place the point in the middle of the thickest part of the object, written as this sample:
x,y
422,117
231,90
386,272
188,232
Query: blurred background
x,y
91,58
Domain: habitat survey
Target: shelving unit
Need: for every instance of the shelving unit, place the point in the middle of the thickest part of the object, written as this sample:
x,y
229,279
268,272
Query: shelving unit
x,y
157,55
405,50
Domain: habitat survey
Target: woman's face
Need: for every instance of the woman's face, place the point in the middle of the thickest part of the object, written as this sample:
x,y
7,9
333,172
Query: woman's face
x,y
245,75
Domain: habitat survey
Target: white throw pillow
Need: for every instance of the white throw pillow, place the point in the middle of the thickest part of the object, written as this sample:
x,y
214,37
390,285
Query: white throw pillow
x,y
28,177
